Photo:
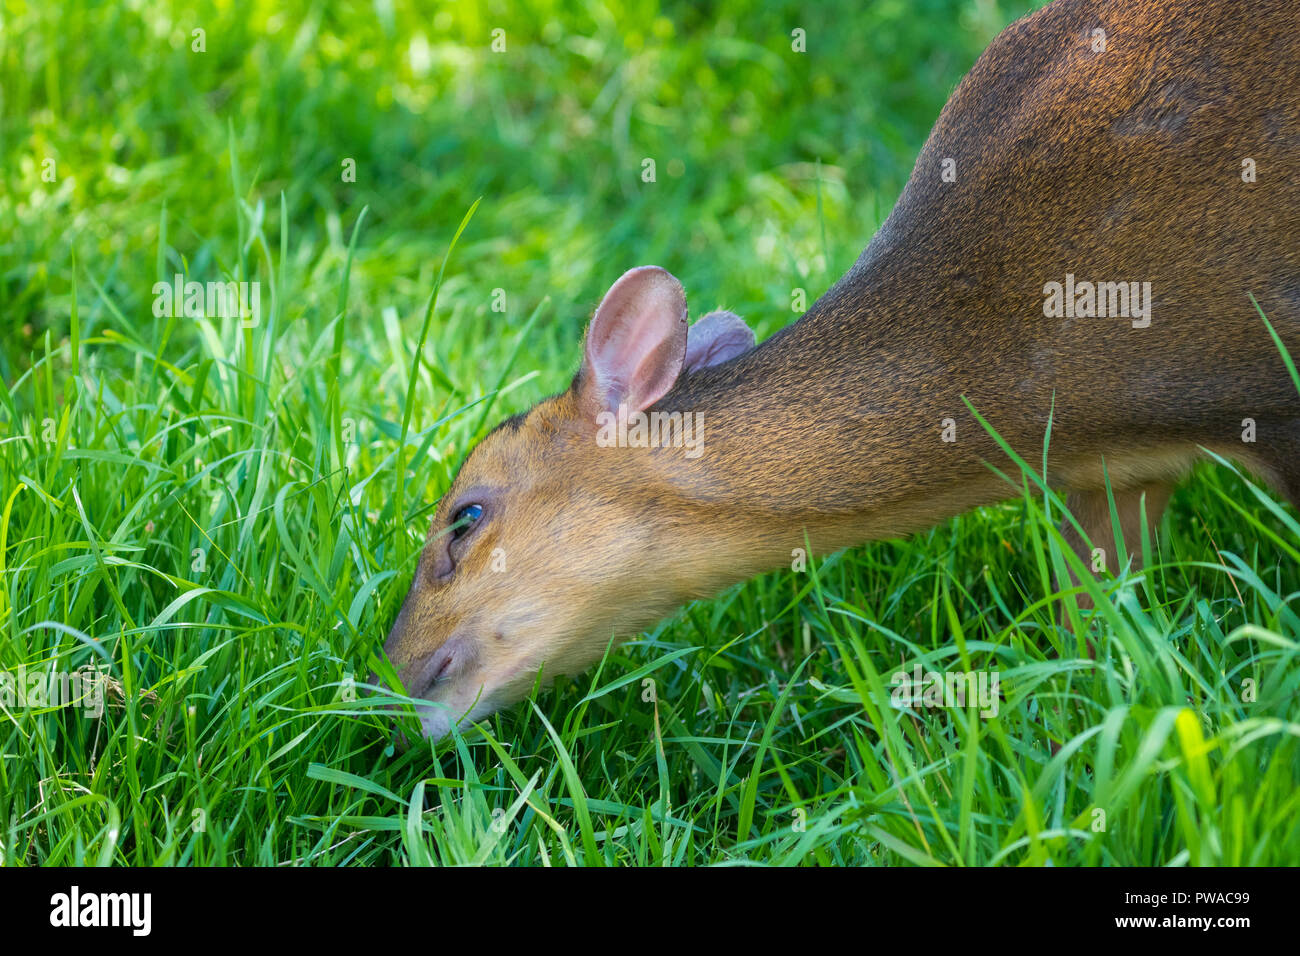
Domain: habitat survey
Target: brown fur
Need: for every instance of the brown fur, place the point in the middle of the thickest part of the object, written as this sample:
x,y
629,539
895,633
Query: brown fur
x,y
1122,165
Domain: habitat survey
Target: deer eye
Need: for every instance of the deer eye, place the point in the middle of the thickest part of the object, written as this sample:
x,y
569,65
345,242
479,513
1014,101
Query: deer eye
x,y
464,519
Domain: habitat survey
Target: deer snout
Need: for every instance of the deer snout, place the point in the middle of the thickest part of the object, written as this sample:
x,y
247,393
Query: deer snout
x,y
420,676
443,681
419,658
422,680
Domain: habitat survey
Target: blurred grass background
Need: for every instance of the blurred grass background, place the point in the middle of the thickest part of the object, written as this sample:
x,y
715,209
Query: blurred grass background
x,y
197,519
552,131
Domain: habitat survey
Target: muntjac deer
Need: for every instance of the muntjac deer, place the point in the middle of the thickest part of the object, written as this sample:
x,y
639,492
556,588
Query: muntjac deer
x,y
1079,239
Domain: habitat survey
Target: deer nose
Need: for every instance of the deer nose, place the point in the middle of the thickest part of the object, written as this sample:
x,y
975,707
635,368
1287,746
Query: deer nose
x,y
433,669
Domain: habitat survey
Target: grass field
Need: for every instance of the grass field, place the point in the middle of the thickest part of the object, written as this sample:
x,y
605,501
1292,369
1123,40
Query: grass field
x,y
227,518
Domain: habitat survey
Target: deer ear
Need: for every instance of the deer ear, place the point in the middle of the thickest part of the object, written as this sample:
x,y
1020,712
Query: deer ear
x,y
636,341
716,338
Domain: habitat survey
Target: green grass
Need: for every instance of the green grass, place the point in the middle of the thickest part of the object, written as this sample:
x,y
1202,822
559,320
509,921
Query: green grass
x,y
229,518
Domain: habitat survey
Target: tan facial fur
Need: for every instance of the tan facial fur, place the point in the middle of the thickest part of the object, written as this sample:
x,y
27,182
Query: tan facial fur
x,y
568,551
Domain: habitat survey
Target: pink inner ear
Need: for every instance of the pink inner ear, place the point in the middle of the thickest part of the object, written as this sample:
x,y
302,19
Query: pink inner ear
x,y
718,337
636,341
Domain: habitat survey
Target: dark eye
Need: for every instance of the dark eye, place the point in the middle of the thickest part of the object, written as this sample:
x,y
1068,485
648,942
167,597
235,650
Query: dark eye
x,y
464,519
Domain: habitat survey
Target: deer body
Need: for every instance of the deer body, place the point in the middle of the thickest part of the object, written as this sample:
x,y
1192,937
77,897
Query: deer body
x,y
1064,165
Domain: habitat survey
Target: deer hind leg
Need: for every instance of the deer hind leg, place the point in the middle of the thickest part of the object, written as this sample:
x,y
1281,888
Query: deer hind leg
x,y
1092,510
